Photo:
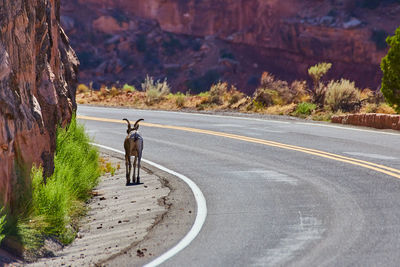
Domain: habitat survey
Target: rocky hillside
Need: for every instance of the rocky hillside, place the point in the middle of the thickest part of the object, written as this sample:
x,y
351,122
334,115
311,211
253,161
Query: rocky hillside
x,y
195,43
37,89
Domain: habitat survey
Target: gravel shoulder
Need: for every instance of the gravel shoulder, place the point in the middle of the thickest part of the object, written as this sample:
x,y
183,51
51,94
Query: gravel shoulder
x,y
129,225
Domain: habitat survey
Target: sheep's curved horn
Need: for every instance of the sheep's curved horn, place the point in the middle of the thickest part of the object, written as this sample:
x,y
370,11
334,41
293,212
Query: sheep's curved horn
x,y
129,124
135,126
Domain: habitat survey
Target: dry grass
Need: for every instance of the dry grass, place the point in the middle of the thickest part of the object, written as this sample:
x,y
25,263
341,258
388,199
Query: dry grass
x,y
273,96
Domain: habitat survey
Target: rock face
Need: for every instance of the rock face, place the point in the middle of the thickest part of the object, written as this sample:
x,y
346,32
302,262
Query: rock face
x,y
38,72
282,37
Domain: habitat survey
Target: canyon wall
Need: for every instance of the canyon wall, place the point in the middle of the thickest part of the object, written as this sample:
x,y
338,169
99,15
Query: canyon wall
x,y
38,75
283,37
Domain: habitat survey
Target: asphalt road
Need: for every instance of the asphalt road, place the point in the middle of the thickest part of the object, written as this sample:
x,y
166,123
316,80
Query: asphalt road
x,y
273,205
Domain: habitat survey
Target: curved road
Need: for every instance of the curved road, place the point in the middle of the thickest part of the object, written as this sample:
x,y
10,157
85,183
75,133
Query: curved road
x,y
271,204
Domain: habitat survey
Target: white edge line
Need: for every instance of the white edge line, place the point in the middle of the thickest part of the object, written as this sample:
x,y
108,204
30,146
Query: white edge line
x,y
200,216
376,131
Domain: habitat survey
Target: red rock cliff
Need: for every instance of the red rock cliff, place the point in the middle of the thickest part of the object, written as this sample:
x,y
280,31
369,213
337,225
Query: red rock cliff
x,y
284,37
37,88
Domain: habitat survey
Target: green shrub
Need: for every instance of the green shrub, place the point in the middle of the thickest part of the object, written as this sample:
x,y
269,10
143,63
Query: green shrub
x,y
204,94
316,72
217,92
82,88
128,88
55,205
2,224
305,108
180,100
267,97
390,66
234,96
257,105
342,95
272,91
155,91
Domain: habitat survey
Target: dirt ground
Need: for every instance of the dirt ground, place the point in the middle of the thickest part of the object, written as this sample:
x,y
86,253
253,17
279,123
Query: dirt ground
x,y
126,225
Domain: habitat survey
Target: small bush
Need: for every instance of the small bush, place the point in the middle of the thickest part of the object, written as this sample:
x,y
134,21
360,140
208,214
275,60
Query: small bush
x,y
128,88
316,72
305,108
180,100
390,66
107,167
217,92
257,105
272,91
82,88
2,224
385,108
155,91
234,96
114,91
342,95
369,108
299,91
205,94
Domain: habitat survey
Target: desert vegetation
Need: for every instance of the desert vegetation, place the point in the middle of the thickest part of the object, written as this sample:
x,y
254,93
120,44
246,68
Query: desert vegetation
x,y
51,207
391,72
317,99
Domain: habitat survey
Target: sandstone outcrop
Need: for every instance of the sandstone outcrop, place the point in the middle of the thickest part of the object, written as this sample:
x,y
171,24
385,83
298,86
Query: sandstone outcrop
x,y
281,37
38,72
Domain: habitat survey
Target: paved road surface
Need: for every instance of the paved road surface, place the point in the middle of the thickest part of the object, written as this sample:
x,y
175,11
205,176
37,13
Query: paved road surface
x,y
277,205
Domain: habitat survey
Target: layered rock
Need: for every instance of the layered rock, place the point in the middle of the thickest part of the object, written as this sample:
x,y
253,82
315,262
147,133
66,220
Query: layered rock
x,y
374,120
282,37
38,72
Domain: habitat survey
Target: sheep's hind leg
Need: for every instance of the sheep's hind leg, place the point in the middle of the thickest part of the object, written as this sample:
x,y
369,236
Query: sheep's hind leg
x,y
128,167
138,171
134,170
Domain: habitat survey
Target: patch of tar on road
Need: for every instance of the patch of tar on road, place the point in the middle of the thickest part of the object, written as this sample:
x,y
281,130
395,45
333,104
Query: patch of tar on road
x,y
308,230
371,155
268,175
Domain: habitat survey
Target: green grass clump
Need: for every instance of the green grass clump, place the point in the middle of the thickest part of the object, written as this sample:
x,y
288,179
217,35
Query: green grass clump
x,y
128,88
76,161
305,108
58,201
180,100
2,224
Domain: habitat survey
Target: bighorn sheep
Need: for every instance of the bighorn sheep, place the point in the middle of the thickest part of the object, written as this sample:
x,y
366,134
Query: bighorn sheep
x,y
133,145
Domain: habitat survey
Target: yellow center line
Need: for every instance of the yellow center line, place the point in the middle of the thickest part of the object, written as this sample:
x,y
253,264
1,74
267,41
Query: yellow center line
x,y
366,164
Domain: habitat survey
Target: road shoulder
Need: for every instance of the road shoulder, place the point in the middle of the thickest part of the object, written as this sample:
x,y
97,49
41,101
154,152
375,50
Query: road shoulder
x,y
129,225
